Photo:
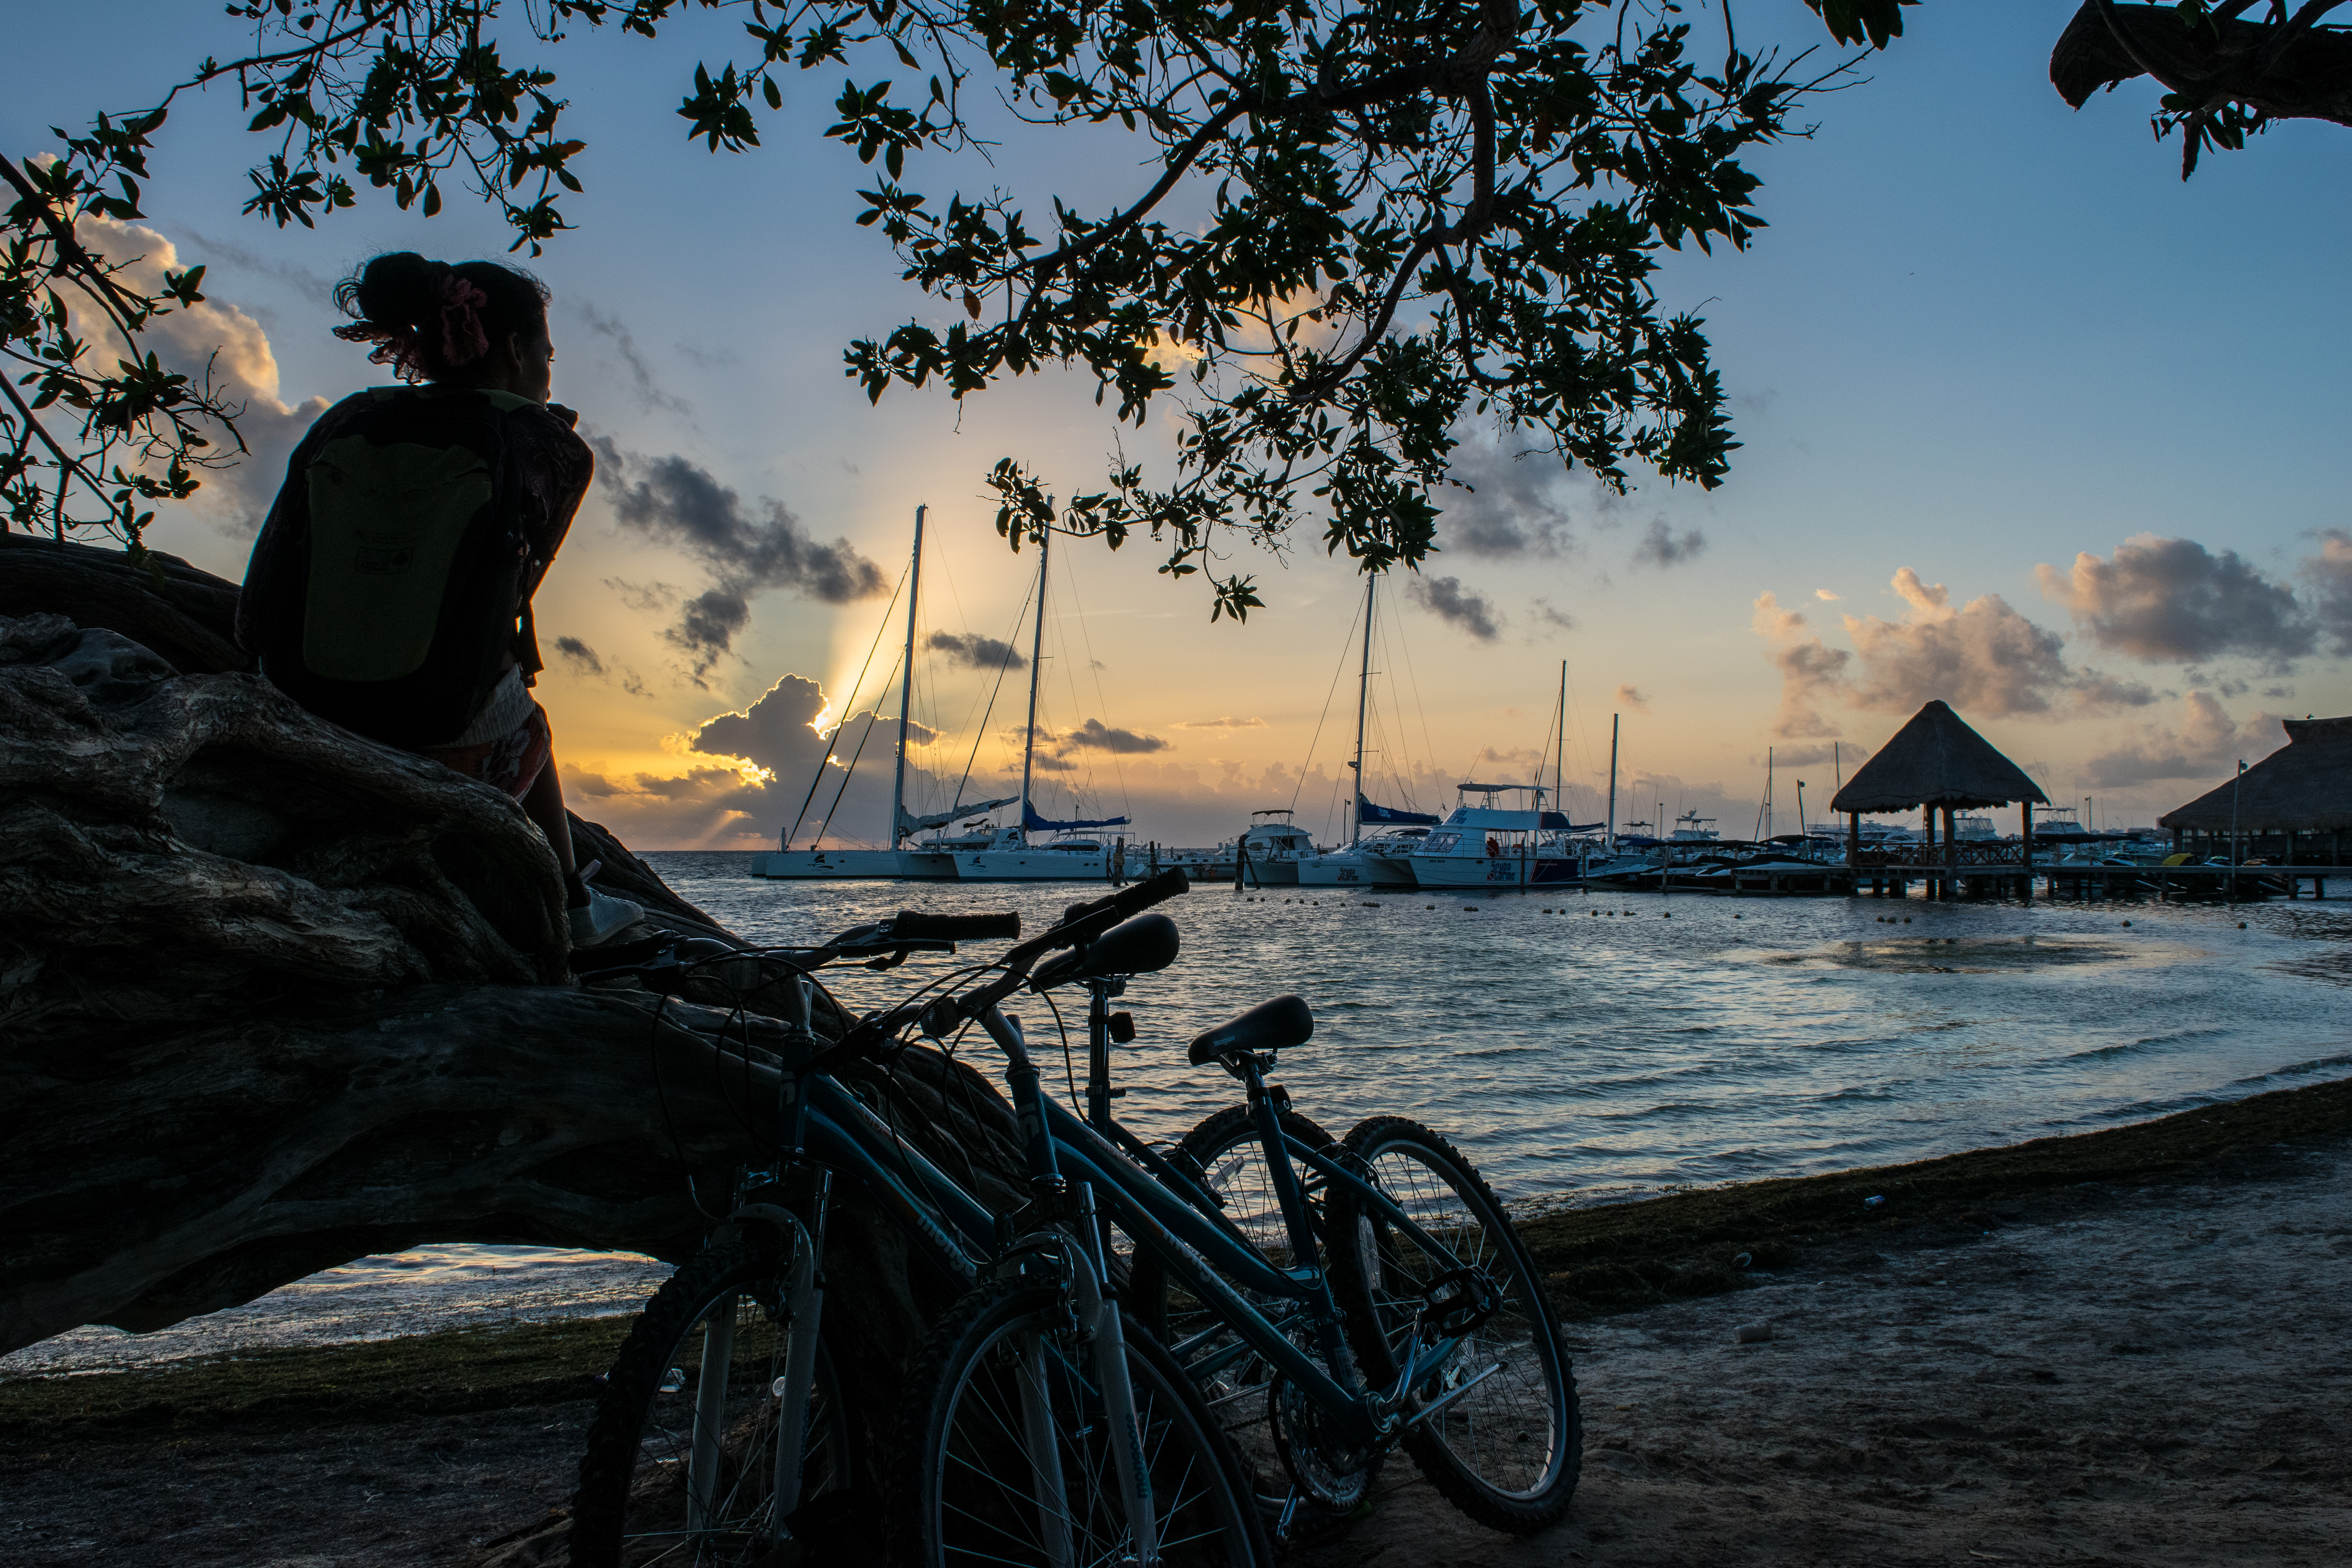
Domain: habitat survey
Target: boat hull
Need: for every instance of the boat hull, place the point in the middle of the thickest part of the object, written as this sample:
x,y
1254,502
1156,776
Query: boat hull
x,y
852,866
1488,871
1031,866
1354,872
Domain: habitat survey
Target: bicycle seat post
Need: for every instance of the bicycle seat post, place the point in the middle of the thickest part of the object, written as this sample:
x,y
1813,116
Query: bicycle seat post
x,y
1099,1035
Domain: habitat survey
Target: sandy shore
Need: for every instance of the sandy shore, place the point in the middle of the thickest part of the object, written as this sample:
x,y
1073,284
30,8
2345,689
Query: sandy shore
x,y
2121,1374
2160,1376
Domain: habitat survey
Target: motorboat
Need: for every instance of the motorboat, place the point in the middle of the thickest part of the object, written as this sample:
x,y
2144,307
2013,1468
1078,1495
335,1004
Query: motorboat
x,y
1487,846
1379,860
1270,853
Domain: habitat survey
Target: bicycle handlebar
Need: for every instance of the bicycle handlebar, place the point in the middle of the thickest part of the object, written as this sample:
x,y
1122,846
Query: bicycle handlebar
x,y
914,924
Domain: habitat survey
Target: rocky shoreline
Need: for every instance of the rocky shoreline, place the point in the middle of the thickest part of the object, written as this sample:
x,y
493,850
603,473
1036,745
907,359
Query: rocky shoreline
x,y
2127,1347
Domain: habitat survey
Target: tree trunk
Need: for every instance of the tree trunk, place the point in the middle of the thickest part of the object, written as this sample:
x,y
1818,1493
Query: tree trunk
x,y
273,997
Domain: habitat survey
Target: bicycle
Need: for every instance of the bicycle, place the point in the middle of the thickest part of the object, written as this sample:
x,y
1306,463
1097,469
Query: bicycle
x,y
1428,1288
720,1428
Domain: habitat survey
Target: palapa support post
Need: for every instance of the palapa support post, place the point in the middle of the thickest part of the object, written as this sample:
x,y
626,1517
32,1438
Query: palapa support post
x,y
2025,839
1952,854
1854,849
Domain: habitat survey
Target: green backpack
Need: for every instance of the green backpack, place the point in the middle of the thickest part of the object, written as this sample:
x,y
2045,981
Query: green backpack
x,y
415,576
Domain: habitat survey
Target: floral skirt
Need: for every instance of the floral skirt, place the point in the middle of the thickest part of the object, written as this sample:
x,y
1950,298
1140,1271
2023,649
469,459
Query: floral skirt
x,y
512,763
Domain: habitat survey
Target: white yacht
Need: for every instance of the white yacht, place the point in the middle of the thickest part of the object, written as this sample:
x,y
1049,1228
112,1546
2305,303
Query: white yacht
x,y
1375,860
1483,846
1272,849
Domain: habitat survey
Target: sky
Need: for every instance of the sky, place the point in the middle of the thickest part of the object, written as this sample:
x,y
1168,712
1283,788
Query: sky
x,y
2029,424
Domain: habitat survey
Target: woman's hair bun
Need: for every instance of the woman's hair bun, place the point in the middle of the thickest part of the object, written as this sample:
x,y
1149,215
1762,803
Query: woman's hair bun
x,y
433,321
398,288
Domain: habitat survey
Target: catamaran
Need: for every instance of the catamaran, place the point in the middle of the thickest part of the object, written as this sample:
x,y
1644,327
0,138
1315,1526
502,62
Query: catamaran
x,y
925,863
1384,858
1010,855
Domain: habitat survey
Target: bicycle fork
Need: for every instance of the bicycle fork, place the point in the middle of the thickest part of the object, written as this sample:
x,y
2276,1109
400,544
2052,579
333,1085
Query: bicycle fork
x,y
1099,1323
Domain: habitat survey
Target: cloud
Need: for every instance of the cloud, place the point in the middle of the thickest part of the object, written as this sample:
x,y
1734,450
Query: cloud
x,y
1982,657
1811,670
2207,744
580,656
1221,724
1810,753
1465,608
678,503
2172,599
1661,548
2329,573
650,394
1630,696
1509,504
976,652
1826,596
215,337
779,733
1094,735
1560,620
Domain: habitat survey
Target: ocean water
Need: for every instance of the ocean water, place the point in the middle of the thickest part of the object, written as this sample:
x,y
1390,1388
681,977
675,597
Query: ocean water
x,y
1579,1047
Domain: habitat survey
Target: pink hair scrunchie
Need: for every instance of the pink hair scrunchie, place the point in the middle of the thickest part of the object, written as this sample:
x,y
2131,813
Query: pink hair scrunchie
x,y
463,340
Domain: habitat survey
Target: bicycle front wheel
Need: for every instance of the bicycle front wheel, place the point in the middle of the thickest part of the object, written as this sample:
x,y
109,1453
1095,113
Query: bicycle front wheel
x,y
709,1350
1003,1454
1508,1451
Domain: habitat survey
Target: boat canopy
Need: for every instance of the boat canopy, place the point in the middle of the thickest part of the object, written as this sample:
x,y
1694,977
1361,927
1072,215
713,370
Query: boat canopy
x,y
1369,813
1491,821
1036,824
910,823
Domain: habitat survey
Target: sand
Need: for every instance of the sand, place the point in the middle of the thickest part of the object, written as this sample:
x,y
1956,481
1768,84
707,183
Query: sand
x,y
2159,1375
2103,1375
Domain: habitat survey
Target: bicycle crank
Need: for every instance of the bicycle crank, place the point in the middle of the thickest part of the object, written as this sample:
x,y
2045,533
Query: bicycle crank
x,y
1329,1472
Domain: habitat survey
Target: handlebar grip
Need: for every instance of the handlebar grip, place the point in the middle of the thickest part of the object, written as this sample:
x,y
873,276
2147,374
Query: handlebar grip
x,y
1133,901
955,928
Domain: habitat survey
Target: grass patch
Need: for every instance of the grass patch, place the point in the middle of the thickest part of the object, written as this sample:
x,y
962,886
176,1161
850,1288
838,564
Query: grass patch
x,y
1625,1255
453,1373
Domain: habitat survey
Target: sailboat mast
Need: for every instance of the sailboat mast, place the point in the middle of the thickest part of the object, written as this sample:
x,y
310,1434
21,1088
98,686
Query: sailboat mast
x,y
1560,742
907,685
1036,663
1363,690
1612,784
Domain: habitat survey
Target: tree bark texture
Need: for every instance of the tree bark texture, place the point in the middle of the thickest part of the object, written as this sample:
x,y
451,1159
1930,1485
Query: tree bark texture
x,y
273,997
2309,78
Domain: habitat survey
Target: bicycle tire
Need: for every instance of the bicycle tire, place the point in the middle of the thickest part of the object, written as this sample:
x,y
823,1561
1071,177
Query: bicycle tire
x,y
1508,1452
630,1508
1223,1154
959,1474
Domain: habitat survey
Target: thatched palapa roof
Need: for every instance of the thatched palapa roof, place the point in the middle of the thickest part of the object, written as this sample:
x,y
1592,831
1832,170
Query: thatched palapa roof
x,y
1936,760
2305,785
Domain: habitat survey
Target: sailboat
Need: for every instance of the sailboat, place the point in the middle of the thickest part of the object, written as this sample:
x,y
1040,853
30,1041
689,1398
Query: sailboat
x,y
928,863
1008,854
1382,860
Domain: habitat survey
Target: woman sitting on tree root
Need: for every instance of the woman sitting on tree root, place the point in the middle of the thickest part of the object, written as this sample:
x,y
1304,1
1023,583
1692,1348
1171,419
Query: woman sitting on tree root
x,y
390,590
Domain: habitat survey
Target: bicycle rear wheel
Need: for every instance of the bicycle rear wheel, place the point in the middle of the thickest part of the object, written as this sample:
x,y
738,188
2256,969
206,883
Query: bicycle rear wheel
x,y
1508,1452
717,1317
973,1484
1224,1155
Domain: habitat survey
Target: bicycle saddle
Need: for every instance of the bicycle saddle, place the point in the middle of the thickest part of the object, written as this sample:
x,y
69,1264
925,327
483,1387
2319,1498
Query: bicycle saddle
x,y
1269,1026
